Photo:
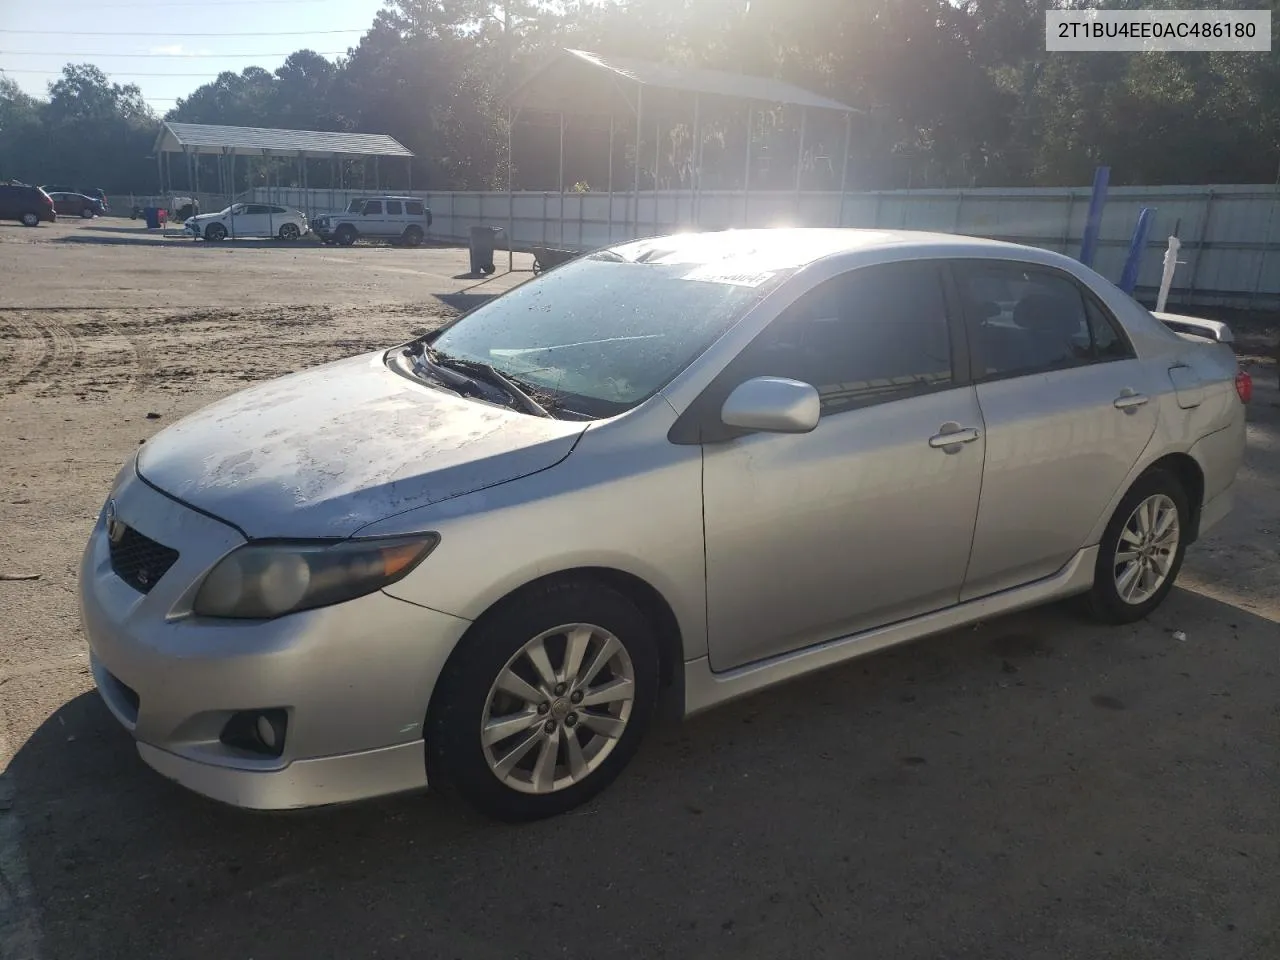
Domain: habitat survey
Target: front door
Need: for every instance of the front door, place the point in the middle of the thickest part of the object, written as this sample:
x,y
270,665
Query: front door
x,y
247,220
1068,409
373,222
868,519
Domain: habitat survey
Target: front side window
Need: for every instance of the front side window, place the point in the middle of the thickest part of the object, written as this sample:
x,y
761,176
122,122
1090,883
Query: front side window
x,y
1027,319
600,334
875,334
373,206
393,207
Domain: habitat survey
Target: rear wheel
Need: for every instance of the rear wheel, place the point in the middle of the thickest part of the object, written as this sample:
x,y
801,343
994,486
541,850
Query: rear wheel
x,y
412,236
215,232
1141,550
546,702
345,236
289,231
86,213
31,219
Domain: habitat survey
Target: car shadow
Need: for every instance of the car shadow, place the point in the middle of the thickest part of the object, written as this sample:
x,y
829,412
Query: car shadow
x,y
1003,783
464,300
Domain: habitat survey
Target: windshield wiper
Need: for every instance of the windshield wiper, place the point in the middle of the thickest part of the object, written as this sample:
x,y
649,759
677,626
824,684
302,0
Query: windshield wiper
x,y
491,375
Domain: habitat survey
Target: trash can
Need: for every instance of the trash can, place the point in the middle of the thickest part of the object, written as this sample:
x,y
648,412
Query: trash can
x,y
482,244
152,216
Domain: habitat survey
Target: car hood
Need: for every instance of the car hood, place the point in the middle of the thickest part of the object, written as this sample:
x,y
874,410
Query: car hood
x,y
324,452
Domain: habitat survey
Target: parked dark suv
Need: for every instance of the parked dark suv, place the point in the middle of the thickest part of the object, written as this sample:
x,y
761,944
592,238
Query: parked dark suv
x,y
21,201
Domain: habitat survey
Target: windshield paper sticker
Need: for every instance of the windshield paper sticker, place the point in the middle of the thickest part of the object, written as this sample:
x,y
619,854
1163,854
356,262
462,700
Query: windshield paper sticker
x,y
713,273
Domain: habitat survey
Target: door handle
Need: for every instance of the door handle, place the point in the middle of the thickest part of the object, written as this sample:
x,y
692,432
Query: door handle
x,y
953,437
1129,401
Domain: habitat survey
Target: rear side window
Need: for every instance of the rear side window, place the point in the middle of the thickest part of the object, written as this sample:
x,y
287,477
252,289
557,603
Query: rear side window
x,y
413,208
394,207
373,206
875,334
1109,343
1026,319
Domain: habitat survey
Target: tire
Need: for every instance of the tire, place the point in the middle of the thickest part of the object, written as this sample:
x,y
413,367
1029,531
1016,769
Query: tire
x,y
467,696
86,213
1162,492
290,232
215,232
345,236
30,219
412,237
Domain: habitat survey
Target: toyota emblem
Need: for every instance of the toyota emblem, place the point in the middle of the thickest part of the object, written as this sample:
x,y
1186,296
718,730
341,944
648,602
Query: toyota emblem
x,y
115,529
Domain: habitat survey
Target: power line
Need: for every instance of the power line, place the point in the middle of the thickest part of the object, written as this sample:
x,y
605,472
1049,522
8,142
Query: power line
x,y
179,56
169,3
118,73
181,35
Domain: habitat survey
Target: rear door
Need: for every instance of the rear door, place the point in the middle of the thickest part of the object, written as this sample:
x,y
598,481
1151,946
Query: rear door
x,y
395,219
1068,410
867,519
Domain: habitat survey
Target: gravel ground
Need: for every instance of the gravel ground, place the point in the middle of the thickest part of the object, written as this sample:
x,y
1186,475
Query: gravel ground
x,y
1034,787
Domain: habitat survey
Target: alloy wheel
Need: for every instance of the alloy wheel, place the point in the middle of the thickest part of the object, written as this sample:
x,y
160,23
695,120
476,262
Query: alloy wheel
x,y
1146,549
558,708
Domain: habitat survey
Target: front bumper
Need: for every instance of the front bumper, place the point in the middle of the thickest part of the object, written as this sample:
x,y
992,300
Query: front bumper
x,y
354,680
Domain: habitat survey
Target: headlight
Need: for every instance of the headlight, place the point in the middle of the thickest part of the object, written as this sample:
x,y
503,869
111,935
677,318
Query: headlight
x,y
261,581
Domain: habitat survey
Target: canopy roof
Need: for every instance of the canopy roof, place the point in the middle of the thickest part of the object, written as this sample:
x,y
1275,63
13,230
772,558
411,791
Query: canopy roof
x,y
576,81
267,142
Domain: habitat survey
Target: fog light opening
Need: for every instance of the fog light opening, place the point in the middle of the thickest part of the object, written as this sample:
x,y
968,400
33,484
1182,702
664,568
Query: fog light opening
x,y
261,732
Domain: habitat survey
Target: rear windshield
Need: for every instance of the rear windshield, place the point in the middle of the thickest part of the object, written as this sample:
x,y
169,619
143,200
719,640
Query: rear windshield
x,y
600,334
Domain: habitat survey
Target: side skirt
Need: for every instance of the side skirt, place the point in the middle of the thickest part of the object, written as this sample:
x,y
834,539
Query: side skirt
x,y
705,688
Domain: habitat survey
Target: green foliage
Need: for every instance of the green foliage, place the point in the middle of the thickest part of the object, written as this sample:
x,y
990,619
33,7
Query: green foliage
x,y
89,133
952,93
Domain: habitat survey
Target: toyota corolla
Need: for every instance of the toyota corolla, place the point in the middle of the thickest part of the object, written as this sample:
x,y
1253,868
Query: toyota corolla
x,y
693,467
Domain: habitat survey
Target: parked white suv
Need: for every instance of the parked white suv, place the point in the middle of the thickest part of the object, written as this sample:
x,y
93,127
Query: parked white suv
x,y
404,219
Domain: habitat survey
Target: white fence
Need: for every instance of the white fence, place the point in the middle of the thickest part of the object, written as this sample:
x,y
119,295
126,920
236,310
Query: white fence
x,y
1230,234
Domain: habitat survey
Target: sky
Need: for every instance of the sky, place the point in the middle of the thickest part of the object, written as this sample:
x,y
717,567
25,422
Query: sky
x,y
160,46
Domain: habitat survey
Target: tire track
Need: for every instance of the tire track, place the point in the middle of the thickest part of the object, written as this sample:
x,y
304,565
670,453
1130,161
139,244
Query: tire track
x,y
32,350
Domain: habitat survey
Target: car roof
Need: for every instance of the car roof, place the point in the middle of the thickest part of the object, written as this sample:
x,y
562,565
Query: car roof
x,y
784,248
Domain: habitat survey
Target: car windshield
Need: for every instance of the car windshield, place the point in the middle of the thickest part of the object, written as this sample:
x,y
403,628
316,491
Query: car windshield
x,y
600,334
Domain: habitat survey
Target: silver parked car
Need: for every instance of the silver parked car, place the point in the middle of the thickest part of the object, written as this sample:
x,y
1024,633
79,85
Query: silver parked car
x,y
707,463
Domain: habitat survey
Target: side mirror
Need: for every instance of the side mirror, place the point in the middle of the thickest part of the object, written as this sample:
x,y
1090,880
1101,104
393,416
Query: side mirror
x,y
772,405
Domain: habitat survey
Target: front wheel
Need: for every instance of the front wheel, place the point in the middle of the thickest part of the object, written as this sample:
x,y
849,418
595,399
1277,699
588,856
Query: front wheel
x,y
86,213
290,231
545,701
215,232
1141,550
345,236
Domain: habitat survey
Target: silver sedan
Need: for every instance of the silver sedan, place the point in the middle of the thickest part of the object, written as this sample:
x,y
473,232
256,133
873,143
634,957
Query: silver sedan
x,y
689,467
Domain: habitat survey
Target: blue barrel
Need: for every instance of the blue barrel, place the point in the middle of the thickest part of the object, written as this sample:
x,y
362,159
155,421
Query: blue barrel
x,y
152,215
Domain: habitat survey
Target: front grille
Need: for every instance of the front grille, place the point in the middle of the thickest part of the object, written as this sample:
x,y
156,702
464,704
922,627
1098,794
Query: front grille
x,y
139,561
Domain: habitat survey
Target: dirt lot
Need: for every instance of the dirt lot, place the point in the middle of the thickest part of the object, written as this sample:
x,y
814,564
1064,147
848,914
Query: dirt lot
x,y
1035,787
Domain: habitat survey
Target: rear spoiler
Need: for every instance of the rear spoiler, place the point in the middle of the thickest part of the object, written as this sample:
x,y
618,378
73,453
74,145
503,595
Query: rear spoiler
x,y
1196,326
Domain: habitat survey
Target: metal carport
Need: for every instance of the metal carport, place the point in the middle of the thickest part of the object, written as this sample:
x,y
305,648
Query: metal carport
x,y
583,83
194,140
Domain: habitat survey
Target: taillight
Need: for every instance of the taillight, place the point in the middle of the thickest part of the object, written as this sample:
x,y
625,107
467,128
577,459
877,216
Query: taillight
x,y
48,201
1244,386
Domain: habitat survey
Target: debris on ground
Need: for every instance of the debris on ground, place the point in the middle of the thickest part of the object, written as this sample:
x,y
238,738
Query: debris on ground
x,y
1179,636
